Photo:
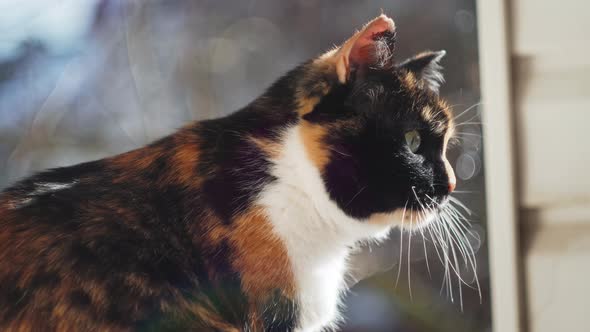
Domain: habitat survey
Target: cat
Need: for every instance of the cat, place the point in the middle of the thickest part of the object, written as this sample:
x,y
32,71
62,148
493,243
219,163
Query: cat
x,y
242,223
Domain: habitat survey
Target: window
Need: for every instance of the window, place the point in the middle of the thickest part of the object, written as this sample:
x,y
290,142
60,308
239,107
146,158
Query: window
x,y
132,72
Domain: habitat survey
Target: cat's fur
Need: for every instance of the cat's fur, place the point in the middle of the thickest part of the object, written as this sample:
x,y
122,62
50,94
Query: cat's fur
x,y
238,223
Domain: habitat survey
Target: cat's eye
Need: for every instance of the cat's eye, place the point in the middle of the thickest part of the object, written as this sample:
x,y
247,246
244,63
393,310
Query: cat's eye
x,y
413,140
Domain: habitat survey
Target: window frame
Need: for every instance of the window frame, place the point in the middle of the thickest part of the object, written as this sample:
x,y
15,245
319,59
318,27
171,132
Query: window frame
x,y
499,148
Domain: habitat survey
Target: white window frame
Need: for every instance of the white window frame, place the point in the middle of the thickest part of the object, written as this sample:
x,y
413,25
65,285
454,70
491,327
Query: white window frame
x,y
499,142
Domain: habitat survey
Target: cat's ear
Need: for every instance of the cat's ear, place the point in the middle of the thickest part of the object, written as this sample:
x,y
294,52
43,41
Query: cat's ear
x,y
372,46
426,68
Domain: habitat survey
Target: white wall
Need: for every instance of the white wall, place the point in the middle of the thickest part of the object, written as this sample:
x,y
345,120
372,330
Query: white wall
x,y
551,94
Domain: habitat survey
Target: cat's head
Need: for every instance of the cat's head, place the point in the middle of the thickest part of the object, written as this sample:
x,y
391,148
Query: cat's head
x,y
376,128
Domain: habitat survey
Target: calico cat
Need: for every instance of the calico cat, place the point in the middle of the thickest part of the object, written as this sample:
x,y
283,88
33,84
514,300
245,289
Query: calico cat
x,y
242,223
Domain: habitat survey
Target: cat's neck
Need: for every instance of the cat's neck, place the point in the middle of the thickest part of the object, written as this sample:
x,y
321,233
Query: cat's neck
x,y
317,234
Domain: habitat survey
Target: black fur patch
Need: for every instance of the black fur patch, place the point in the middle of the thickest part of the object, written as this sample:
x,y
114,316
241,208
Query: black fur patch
x,y
374,170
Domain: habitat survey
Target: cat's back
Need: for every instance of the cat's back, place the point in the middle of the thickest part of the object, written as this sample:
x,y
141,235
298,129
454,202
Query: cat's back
x,y
100,245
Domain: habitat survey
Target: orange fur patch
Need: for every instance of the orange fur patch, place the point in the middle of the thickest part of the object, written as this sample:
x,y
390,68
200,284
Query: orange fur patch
x,y
307,105
270,148
427,113
183,161
141,158
261,257
132,163
313,135
443,105
410,81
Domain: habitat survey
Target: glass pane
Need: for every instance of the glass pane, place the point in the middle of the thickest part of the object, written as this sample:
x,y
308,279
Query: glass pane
x,y
116,75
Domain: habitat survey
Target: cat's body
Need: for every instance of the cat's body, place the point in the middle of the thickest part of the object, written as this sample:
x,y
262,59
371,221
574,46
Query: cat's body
x,y
239,223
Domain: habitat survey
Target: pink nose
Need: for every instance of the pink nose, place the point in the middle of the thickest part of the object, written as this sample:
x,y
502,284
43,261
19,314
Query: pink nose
x,y
452,184
451,176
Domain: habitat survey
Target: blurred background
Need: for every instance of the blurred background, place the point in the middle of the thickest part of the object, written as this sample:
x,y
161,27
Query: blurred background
x,y
85,79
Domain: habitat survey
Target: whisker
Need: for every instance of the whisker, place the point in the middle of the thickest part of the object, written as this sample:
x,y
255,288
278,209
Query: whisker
x,y
401,241
342,153
355,196
447,273
473,262
434,242
477,115
444,249
409,251
468,134
452,218
467,110
462,250
470,123
459,203
449,235
425,252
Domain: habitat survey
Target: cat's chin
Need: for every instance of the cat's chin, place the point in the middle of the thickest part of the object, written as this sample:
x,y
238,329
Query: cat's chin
x,y
404,218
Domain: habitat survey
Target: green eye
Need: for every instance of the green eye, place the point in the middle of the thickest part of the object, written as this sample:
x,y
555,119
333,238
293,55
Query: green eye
x,y
413,140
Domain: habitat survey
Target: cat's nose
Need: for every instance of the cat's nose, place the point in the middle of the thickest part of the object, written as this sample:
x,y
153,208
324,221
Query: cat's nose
x,y
452,184
451,176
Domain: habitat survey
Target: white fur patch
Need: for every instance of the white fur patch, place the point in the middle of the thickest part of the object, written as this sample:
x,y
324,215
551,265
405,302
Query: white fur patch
x,y
317,234
47,187
42,188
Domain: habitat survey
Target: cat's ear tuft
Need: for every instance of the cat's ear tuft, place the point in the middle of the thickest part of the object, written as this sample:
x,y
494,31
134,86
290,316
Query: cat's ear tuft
x,y
426,68
372,46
